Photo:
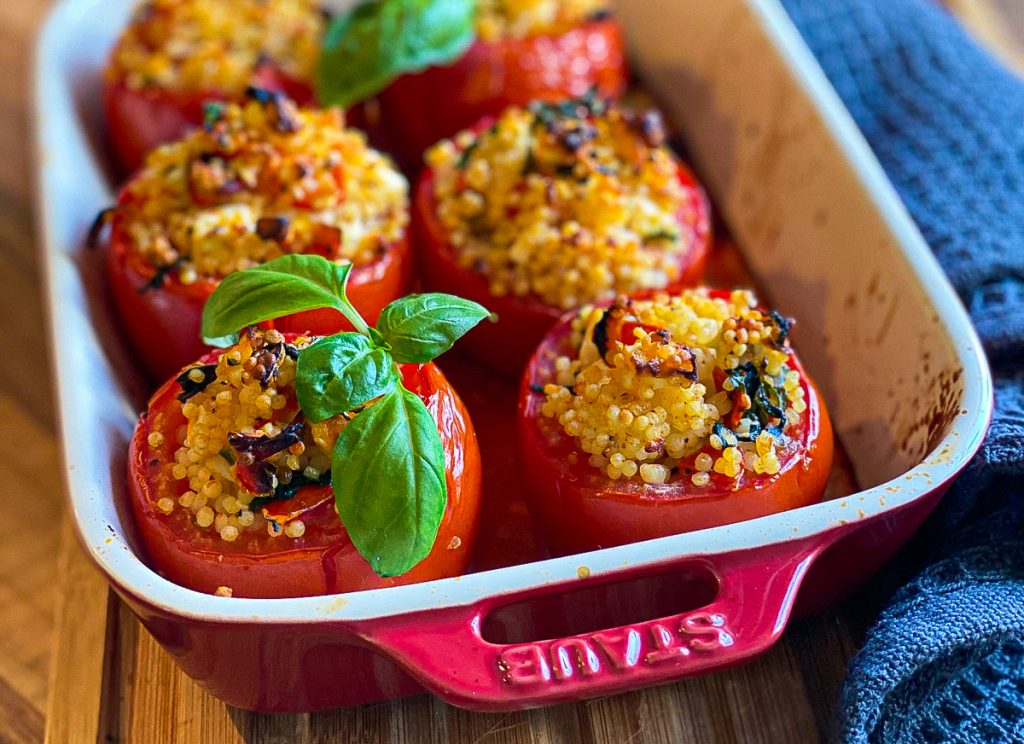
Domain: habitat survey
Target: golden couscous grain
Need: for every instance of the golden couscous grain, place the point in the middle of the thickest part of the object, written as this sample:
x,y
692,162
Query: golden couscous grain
x,y
499,19
667,380
204,517
571,203
217,45
235,450
260,181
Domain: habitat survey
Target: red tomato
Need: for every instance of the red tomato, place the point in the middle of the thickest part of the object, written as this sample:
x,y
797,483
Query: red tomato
x,y
162,323
323,560
579,508
140,120
424,107
522,321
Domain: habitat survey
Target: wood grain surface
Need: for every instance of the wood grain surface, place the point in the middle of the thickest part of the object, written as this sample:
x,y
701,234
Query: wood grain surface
x,y
66,639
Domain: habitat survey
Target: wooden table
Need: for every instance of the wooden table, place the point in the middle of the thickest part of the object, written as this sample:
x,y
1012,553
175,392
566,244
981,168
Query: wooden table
x,y
58,617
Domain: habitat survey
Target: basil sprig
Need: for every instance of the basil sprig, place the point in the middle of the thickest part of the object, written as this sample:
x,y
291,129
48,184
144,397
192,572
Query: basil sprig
x,y
387,470
367,47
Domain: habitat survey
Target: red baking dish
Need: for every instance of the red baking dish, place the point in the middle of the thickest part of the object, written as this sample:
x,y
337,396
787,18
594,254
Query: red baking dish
x,y
829,243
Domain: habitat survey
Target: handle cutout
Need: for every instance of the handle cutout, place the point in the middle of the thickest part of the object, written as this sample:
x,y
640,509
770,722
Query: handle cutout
x,y
600,605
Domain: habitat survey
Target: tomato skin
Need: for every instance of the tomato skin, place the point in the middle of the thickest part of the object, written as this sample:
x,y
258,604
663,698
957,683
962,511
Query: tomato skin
x,y
162,323
323,561
425,107
141,120
578,508
507,345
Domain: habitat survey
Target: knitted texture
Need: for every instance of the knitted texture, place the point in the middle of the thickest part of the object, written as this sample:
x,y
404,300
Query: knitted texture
x,y
945,660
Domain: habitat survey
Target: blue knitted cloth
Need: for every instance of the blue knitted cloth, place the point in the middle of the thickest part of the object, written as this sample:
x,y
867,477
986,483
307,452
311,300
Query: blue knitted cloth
x,y
945,660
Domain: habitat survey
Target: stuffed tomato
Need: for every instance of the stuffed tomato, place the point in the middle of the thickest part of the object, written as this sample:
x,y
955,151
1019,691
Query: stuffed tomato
x,y
551,207
231,482
256,182
524,50
175,55
654,417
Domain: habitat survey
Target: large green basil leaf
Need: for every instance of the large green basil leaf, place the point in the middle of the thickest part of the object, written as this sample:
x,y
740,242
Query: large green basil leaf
x,y
371,45
389,482
286,285
340,373
419,328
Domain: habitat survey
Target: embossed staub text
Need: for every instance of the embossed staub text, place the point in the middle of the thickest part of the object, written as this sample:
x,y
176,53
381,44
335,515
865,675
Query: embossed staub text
x,y
643,644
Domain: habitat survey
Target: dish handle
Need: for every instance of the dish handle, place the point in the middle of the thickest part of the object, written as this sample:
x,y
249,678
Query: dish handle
x,y
446,651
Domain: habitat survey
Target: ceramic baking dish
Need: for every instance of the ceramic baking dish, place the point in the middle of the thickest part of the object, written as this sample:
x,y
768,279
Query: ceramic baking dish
x,y
828,241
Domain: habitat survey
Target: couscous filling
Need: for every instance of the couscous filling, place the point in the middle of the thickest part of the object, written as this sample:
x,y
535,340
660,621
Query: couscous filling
x,y
217,45
700,376
245,450
259,181
497,19
572,203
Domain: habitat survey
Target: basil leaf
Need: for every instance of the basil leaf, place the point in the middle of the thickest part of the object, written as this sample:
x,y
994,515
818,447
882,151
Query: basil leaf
x,y
371,45
419,328
389,482
286,285
339,373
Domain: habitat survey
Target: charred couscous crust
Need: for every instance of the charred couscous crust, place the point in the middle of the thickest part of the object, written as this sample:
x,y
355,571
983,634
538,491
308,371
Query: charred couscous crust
x,y
503,19
217,45
571,203
702,376
245,444
259,181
